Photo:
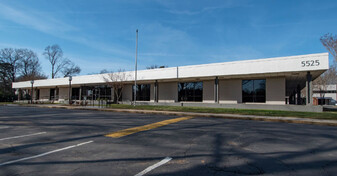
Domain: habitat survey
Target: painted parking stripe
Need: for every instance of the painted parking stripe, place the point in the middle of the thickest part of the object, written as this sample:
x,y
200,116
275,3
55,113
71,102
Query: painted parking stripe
x,y
4,127
44,154
129,131
14,137
150,168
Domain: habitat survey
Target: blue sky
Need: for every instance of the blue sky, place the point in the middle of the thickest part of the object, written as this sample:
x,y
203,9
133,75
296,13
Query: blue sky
x,y
100,34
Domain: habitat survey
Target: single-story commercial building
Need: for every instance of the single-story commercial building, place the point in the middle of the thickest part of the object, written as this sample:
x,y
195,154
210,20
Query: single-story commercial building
x,y
240,84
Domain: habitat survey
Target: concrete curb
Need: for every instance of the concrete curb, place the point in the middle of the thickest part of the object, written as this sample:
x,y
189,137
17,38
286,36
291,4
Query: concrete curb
x,y
225,116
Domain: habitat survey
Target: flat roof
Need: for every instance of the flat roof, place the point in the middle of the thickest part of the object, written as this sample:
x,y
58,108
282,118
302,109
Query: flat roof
x,y
267,66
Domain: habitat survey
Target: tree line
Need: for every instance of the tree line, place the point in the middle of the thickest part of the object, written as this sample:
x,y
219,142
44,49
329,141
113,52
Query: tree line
x,y
329,41
24,65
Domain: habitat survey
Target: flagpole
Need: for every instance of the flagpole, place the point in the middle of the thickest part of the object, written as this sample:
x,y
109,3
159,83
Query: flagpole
x,y
135,88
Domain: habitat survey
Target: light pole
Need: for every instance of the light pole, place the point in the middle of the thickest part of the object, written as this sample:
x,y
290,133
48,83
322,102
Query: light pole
x,y
135,88
31,96
70,79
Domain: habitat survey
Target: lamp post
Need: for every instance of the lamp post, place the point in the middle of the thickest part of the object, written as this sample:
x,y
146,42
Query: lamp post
x,y
70,79
135,88
31,96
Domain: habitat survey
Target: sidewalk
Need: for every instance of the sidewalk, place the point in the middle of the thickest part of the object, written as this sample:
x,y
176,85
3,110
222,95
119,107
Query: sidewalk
x,y
226,116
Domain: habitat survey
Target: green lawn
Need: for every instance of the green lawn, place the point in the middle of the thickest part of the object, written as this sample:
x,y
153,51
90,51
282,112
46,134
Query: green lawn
x,y
314,115
3,103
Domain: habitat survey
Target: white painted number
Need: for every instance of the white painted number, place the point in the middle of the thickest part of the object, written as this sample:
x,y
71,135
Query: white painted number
x,y
310,63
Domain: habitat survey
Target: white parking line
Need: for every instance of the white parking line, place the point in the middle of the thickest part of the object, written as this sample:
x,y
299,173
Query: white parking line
x,y
14,137
164,161
4,127
44,154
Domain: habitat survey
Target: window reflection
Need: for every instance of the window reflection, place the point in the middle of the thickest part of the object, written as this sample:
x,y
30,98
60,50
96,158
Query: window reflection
x,y
254,90
143,92
190,91
101,92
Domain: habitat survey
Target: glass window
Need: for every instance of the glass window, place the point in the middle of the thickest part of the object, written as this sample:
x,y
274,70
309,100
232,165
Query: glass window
x,y
75,93
52,94
190,91
143,92
101,92
247,90
254,90
104,92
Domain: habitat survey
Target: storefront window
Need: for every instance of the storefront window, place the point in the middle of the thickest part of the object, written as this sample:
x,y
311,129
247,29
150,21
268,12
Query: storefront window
x,y
190,91
143,92
254,90
101,92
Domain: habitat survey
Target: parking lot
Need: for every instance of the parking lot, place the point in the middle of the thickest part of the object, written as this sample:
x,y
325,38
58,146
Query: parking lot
x,y
42,141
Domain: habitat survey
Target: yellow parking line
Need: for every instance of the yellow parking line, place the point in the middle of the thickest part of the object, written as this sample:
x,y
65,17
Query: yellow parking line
x,y
129,131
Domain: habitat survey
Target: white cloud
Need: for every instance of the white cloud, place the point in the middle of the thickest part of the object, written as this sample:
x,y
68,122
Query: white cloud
x,y
196,12
44,24
55,27
191,8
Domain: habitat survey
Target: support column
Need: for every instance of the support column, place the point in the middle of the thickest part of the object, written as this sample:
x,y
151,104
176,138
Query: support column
x,y
55,93
35,94
156,91
298,92
69,92
80,96
308,89
216,90
31,95
112,94
19,94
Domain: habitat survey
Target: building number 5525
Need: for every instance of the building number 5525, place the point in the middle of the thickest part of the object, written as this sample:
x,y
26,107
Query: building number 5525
x,y
310,63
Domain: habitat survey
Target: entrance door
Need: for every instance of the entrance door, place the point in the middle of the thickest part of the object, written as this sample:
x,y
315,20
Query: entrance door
x,y
52,94
37,97
75,93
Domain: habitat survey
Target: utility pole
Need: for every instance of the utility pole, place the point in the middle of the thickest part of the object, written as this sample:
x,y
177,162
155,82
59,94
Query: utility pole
x,y
70,79
135,88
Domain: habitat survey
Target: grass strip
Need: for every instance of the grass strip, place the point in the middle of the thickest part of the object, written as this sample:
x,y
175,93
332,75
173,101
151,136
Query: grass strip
x,y
312,115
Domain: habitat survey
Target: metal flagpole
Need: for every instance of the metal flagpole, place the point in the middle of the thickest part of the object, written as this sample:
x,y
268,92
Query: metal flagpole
x,y
135,88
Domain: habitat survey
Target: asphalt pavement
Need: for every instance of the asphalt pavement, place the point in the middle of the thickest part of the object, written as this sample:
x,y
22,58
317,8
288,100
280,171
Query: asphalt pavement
x,y
41,141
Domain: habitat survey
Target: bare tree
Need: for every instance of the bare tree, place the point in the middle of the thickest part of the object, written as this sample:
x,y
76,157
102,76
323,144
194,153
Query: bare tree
x,y
12,57
54,54
116,81
24,63
321,84
29,63
330,76
5,71
30,68
105,71
70,69
17,65
155,66
330,43
5,81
